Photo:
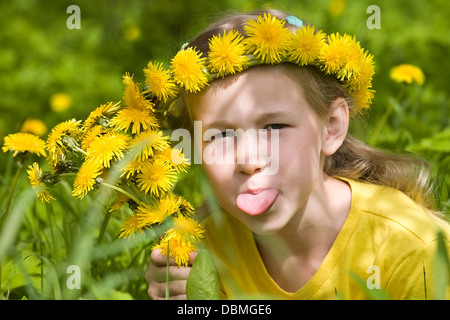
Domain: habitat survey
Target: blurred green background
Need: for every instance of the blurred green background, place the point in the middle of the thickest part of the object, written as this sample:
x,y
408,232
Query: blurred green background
x,y
52,73
40,56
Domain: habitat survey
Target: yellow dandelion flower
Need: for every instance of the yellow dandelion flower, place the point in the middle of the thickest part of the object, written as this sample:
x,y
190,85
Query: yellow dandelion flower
x,y
187,229
148,215
159,81
130,227
178,250
169,203
55,145
176,158
60,102
188,70
407,73
268,39
35,176
133,97
135,120
179,162
146,143
90,135
102,112
363,77
34,126
106,148
23,143
227,53
156,177
362,98
131,168
131,32
182,239
305,45
45,196
337,7
159,211
354,59
334,54
85,179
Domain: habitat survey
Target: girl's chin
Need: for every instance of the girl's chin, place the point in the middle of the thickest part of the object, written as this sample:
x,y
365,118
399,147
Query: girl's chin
x,y
264,225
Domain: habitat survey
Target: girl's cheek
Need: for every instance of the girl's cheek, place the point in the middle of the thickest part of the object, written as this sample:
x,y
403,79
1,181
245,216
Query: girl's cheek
x,y
218,174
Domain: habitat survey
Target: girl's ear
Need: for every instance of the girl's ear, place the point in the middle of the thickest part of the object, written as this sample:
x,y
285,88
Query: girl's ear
x,y
336,127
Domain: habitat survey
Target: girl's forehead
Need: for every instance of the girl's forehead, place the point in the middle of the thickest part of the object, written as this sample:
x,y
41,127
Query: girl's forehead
x,y
259,83
265,89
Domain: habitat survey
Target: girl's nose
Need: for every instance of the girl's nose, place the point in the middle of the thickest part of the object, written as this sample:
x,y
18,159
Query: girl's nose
x,y
251,168
250,159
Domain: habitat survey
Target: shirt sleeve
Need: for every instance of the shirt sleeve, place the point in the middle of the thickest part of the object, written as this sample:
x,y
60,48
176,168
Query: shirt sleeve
x,y
417,276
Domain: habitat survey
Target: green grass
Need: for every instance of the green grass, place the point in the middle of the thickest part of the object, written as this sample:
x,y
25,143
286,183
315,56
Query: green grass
x,y
40,241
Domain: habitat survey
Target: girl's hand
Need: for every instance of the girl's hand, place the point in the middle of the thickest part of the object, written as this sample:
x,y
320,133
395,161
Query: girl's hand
x,y
156,277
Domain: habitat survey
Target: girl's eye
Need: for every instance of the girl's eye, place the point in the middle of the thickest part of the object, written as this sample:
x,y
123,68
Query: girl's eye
x,y
223,134
275,126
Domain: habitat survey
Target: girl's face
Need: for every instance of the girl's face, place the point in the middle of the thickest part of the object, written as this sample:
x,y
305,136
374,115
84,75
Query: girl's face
x,y
267,98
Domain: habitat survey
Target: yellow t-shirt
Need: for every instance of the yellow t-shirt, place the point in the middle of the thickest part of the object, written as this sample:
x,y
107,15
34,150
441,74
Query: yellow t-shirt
x,y
387,241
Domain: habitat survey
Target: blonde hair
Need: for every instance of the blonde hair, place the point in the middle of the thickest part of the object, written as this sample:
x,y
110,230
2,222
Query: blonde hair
x,y
354,159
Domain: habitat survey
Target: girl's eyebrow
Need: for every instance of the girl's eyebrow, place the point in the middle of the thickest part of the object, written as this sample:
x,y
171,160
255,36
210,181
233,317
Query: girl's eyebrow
x,y
222,124
262,118
275,114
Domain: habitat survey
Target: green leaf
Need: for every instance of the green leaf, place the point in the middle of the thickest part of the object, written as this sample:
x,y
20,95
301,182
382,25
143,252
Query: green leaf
x,y
440,142
441,267
372,294
114,295
203,282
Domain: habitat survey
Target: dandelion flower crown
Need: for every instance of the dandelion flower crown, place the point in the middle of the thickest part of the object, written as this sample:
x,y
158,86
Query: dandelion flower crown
x,y
267,40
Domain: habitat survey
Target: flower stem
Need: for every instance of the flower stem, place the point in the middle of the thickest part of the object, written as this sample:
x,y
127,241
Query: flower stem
x,y
129,195
385,117
103,227
381,124
67,174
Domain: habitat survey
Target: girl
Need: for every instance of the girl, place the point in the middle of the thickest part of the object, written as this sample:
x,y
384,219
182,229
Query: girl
x,y
336,213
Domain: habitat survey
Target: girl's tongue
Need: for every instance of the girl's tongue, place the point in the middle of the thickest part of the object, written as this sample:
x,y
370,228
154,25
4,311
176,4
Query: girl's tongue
x,y
254,203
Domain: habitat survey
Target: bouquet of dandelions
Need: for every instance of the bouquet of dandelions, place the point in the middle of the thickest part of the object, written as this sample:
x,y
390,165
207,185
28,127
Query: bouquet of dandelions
x,y
126,137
